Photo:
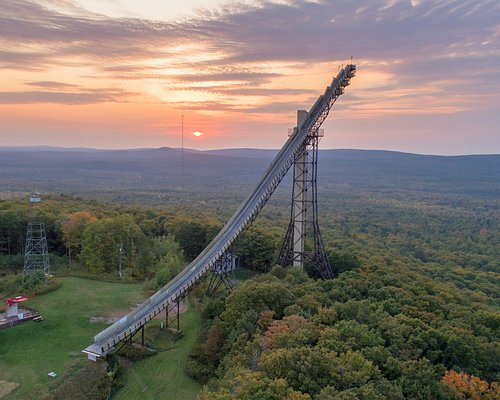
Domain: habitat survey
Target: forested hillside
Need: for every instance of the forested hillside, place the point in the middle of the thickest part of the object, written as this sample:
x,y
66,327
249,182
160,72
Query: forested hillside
x,y
378,331
411,314
157,172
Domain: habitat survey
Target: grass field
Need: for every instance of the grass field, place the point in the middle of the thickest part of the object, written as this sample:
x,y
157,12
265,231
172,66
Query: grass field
x,y
31,350
163,376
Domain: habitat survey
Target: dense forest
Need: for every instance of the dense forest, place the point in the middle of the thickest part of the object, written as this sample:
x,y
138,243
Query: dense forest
x,y
153,176
411,314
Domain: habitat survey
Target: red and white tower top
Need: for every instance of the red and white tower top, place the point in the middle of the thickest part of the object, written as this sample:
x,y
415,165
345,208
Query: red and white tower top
x,y
17,299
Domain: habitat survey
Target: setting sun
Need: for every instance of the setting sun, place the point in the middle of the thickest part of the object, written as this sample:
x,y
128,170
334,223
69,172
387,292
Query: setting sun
x,y
197,134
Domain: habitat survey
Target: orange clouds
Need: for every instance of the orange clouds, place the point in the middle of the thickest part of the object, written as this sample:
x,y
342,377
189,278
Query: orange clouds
x,y
240,72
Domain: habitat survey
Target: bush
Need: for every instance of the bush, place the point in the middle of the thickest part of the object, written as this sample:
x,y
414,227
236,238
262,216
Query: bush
x,y
30,285
135,353
14,262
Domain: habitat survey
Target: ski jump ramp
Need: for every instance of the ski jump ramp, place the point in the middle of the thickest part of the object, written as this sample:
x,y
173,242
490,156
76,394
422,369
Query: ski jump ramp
x,y
104,342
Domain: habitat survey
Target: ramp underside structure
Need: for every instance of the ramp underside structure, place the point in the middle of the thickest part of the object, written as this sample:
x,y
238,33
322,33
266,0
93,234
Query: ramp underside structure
x,y
222,273
171,293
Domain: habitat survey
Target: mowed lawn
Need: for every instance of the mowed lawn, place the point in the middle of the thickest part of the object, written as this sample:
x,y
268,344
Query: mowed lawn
x,y
31,350
163,376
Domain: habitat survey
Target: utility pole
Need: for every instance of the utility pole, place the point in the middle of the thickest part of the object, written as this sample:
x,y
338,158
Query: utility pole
x,y
120,262
182,152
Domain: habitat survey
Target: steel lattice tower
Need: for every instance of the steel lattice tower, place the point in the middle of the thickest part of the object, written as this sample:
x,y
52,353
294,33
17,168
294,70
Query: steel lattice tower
x,y
36,255
223,273
304,211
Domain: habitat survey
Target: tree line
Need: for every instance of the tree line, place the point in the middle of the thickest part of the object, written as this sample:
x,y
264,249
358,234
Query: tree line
x,y
135,242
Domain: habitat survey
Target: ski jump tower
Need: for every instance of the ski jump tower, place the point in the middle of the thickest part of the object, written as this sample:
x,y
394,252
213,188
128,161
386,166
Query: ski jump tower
x,y
303,244
304,209
36,255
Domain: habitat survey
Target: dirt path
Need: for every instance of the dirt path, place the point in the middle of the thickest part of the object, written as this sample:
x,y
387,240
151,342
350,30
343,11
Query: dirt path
x,y
7,387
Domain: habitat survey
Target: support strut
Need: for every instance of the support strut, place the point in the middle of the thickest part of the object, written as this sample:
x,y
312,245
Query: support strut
x,y
171,319
296,249
222,273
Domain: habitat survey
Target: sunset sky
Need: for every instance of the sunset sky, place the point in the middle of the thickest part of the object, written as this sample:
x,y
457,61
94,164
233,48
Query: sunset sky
x,y
121,73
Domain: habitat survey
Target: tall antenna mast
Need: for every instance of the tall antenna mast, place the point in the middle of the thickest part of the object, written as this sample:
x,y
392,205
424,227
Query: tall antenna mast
x,y
182,153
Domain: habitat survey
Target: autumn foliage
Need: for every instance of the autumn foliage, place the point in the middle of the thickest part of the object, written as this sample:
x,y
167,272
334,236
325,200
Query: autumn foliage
x,y
471,387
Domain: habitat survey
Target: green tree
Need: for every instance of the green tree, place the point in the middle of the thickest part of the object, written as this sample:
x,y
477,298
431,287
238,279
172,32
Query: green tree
x,y
267,294
242,384
167,259
306,369
256,250
102,240
192,237
73,228
342,261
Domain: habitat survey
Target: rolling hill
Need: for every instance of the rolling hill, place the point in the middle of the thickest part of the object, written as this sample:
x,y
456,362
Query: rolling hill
x,y
234,171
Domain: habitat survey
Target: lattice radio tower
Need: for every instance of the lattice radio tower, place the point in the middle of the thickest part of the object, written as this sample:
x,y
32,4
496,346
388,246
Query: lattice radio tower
x,y
36,256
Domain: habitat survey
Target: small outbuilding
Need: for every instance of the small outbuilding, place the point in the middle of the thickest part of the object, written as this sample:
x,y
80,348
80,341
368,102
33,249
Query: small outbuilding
x,y
17,312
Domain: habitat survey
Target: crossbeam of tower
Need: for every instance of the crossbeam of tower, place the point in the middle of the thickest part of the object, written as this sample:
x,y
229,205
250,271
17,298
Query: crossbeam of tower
x,y
104,342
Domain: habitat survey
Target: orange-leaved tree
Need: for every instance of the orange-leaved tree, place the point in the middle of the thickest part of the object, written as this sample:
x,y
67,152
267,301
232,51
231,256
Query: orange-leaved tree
x,y
471,387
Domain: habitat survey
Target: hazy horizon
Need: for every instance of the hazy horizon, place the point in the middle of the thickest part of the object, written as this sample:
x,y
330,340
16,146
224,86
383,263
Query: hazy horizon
x,y
42,147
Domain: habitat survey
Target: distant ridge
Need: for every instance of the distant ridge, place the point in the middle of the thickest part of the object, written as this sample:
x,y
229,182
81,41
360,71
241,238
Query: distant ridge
x,y
244,152
45,148
234,171
232,152
72,149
